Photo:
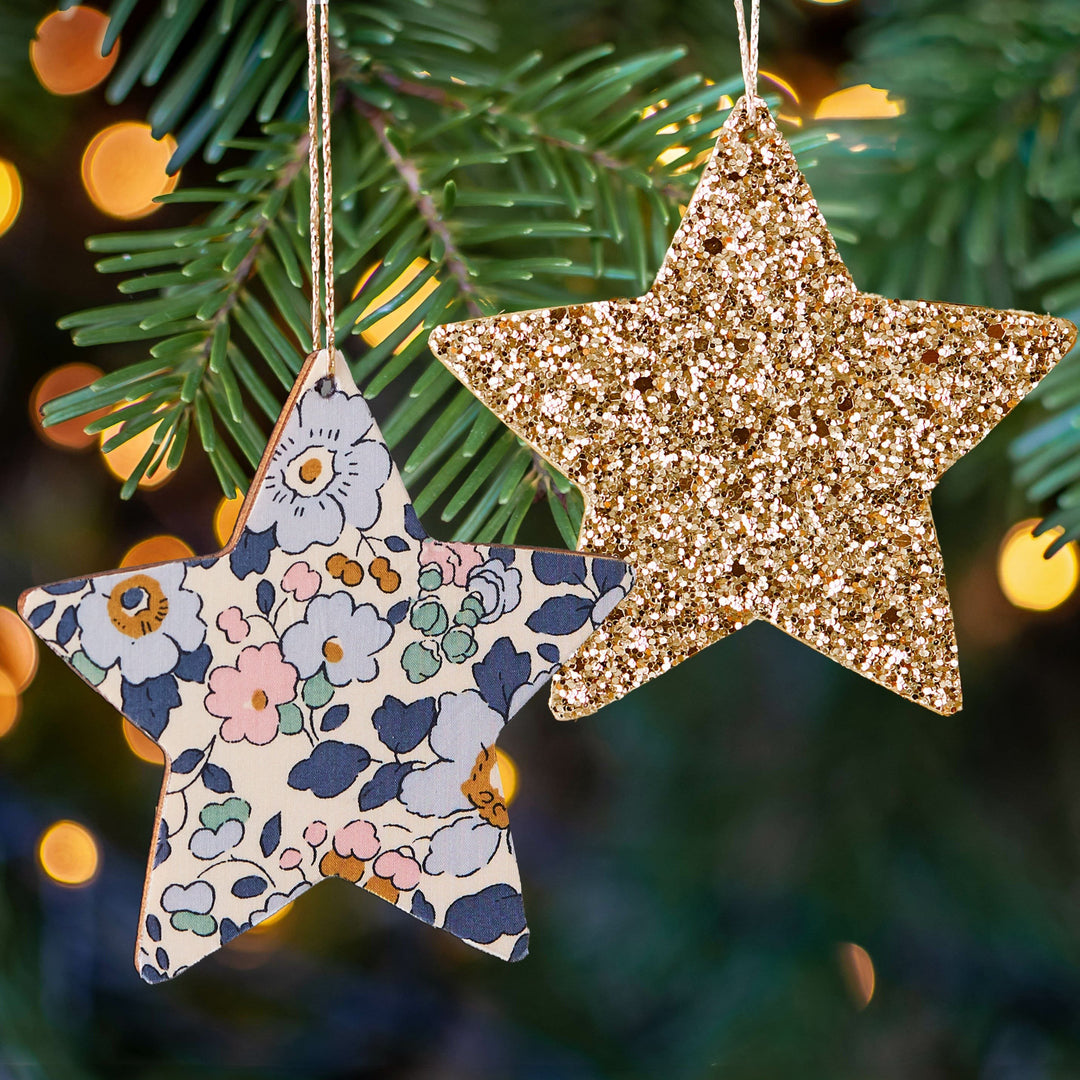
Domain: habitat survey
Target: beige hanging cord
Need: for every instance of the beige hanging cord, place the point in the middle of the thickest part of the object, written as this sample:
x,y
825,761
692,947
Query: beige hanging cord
x,y
748,48
322,211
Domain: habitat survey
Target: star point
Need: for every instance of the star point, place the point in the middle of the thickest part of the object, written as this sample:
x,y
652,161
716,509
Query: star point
x,y
757,437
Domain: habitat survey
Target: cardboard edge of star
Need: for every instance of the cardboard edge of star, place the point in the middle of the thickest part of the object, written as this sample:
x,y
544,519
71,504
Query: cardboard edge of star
x,y
442,347
306,378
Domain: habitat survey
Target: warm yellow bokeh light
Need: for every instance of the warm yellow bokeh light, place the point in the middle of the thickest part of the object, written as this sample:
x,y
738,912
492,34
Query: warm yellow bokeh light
x,y
863,102
388,324
781,84
273,920
123,169
66,50
122,461
508,775
228,510
1030,580
65,380
10,704
10,195
858,971
68,853
18,650
156,549
142,746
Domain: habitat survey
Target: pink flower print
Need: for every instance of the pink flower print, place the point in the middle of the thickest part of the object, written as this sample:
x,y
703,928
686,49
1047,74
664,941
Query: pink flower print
x,y
315,833
403,870
233,625
358,838
453,560
247,696
301,581
289,859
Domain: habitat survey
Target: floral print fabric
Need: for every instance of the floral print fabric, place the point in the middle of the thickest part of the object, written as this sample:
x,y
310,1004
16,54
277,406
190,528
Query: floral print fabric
x,y
328,692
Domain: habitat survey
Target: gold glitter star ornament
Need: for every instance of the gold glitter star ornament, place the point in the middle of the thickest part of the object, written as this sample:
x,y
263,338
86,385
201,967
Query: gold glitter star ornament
x,y
756,436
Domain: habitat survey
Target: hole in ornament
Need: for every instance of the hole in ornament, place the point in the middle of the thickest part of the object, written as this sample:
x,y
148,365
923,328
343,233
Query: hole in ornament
x,y
749,135
325,386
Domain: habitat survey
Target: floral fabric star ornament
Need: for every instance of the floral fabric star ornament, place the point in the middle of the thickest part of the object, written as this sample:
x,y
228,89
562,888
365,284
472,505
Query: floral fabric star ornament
x,y
328,691
757,437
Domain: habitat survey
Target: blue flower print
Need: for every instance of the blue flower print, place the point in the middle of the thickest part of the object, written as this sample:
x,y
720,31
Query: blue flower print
x,y
498,587
143,621
324,474
337,635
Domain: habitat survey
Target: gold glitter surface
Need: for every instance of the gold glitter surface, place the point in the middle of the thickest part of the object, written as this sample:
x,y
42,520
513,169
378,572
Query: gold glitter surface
x,y
757,437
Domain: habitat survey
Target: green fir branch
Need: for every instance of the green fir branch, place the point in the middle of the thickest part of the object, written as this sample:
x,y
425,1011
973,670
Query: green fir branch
x,y
511,187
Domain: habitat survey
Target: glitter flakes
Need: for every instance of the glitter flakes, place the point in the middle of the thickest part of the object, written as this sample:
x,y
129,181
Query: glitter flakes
x,y
757,437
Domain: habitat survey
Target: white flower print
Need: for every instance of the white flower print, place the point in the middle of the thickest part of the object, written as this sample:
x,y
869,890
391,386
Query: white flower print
x,y
498,586
339,635
324,474
142,620
465,781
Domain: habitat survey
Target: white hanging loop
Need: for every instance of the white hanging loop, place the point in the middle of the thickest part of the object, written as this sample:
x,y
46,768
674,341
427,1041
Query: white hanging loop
x,y
748,49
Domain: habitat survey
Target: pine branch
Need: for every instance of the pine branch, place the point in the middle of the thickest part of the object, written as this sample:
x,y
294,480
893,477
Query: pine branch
x,y
461,188
972,194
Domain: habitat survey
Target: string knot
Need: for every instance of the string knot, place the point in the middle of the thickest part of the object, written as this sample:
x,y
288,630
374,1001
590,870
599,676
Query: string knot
x,y
748,50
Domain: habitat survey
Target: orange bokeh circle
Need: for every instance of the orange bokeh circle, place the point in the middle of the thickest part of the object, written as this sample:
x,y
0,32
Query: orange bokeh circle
x,y
63,380
124,169
156,549
18,650
66,50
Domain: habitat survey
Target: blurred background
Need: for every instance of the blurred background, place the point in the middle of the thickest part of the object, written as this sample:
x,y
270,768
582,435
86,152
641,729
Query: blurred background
x,y
756,867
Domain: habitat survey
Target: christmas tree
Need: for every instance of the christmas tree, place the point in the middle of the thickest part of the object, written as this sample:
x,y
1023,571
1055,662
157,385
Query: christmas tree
x,y
759,864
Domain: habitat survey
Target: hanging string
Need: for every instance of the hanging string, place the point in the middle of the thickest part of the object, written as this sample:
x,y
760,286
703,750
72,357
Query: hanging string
x,y
321,222
748,48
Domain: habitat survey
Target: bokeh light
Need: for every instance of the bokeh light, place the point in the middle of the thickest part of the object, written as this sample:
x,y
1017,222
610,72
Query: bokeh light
x,y
388,324
123,169
858,971
272,920
781,84
508,775
156,549
142,746
122,461
863,102
1029,579
68,853
65,380
18,650
225,516
10,704
10,195
66,50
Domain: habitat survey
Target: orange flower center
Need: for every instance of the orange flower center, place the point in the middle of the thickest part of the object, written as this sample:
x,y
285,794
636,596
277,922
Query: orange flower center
x,y
259,700
332,650
311,470
482,792
137,606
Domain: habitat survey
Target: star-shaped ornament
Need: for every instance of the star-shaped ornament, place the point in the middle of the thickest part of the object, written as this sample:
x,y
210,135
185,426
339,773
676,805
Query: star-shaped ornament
x,y
757,437
328,691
